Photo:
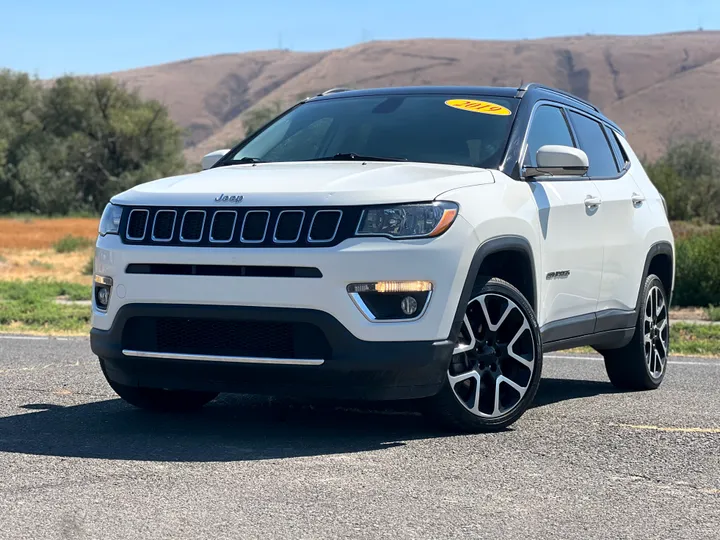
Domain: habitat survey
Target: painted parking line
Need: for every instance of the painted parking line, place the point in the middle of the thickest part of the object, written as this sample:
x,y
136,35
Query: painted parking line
x,y
708,363
42,338
670,429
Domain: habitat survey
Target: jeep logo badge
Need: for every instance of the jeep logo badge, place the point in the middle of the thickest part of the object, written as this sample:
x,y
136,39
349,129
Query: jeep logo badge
x,y
232,199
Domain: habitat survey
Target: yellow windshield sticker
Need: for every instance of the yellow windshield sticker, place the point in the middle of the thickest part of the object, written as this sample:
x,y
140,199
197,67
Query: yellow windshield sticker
x,y
473,105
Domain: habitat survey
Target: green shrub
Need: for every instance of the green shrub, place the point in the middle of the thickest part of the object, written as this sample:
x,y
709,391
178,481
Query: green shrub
x,y
70,243
32,305
713,312
697,281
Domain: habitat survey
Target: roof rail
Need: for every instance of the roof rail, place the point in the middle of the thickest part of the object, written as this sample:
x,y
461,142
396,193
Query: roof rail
x,y
334,91
568,95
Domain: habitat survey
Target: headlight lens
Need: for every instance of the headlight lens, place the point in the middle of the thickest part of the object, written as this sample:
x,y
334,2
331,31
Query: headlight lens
x,y
110,220
408,220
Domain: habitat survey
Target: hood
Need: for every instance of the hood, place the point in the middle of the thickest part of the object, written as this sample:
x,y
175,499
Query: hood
x,y
320,183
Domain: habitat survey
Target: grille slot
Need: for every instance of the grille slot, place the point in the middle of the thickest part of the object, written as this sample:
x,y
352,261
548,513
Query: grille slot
x,y
255,226
324,225
288,226
222,227
226,337
164,225
192,226
137,224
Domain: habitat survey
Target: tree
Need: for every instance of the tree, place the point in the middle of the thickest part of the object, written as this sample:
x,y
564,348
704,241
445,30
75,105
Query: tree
x,y
688,176
71,146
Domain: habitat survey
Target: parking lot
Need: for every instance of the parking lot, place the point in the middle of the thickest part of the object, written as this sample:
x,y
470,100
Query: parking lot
x,y
585,462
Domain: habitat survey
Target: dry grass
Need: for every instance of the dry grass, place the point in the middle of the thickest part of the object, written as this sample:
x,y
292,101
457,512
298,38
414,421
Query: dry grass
x,y
26,249
26,264
31,233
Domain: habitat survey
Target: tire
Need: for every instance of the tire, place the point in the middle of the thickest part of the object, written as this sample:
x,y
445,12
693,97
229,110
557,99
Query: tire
x,y
487,389
157,399
642,363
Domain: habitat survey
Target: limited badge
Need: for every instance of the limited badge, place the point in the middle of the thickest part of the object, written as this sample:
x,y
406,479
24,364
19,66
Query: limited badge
x,y
474,105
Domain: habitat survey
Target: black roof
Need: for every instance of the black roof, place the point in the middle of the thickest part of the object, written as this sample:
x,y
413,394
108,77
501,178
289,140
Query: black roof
x,y
533,91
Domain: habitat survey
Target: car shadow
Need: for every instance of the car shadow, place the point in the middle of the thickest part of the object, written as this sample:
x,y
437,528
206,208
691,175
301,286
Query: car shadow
x,y
553,391
233,428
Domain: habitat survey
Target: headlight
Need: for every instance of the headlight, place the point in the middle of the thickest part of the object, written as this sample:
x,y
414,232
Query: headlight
x,y
408,220
110,220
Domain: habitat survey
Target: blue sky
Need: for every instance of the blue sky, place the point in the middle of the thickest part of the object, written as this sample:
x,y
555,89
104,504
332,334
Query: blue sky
x,y
52,37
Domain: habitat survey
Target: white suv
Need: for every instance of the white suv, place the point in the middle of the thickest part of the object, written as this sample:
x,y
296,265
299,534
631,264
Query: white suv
x,y
397,243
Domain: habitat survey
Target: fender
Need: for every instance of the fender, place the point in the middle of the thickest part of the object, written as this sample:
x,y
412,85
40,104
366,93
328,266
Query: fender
x,y
493,245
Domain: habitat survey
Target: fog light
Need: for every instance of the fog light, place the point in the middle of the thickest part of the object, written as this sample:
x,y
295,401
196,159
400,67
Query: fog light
x,y
388,301
409,305
103,288
103,296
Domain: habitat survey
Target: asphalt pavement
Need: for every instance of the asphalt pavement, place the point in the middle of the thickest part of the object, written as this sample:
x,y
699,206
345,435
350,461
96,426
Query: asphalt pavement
x,y
585,462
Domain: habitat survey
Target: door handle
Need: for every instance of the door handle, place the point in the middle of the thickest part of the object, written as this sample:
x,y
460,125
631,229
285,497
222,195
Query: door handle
x,y
637,200
592,202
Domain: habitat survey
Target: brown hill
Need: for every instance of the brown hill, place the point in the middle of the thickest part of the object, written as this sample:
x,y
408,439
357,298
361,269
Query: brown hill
x,y
657,87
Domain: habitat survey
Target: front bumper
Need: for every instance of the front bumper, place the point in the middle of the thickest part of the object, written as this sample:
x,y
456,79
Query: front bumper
x,y
352,368
444,261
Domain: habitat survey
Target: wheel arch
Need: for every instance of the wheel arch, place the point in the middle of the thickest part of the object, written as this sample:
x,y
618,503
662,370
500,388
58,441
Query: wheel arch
x,y
489,256
660,260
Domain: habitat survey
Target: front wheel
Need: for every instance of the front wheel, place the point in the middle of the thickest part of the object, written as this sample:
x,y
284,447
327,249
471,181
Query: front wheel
x,y
157,399
496,365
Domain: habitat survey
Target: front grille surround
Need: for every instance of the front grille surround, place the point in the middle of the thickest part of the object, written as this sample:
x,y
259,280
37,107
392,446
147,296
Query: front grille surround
x,y
245,219
232,229
137,214
183,236
312,223
153,234
278,223
229,228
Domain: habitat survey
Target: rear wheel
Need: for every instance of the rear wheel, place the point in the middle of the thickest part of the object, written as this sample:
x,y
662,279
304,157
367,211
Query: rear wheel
x,y
496,365
157,399
642,363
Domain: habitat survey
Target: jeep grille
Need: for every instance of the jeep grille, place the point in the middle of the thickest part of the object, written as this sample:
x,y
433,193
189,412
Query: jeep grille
x,y
247,227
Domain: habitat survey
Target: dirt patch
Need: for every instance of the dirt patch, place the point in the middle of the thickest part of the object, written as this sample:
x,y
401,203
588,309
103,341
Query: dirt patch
x,y
689,314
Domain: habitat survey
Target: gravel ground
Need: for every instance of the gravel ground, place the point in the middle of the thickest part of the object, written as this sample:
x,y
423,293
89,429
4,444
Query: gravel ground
x,y
584,462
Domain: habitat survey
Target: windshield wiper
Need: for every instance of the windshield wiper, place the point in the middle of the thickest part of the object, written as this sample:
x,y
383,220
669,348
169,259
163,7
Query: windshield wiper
x,y
240,161
356,157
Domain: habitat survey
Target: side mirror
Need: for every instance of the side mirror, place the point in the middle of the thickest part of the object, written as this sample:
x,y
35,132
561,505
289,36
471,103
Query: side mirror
x,y
555,160
212,158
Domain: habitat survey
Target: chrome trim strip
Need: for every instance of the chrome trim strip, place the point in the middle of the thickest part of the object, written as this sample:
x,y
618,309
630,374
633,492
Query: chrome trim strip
x,y
127,228
267,224
277,222
202,227
355,297
212,223
231,359
103,280
172,229
337,226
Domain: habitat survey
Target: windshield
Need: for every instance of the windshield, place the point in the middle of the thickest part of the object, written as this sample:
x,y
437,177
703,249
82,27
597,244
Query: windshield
x,y
450,129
